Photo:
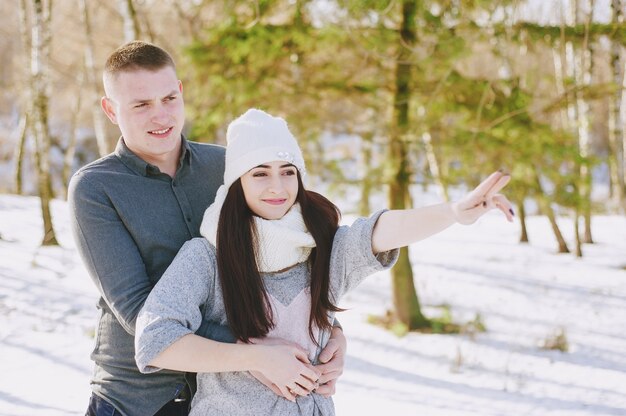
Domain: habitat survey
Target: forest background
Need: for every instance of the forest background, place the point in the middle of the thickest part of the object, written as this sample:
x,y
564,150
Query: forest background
x,y
384,96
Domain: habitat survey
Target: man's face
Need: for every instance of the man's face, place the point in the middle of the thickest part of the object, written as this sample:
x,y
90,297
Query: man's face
x,y
149,110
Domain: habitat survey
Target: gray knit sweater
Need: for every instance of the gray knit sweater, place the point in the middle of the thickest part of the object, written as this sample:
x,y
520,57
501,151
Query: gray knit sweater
x,y
190,291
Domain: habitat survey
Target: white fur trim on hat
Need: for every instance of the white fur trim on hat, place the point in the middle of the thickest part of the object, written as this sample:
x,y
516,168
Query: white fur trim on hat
x,y
255,138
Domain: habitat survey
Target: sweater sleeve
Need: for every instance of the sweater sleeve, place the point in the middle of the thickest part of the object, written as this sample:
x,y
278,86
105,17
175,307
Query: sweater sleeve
x,y
108,250
175,306
352,257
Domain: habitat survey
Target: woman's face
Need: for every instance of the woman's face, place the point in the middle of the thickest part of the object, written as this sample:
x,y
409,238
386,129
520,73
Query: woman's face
x,y
270,189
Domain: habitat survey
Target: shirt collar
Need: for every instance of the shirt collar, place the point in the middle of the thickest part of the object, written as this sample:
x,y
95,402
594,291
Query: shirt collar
x,y
137,164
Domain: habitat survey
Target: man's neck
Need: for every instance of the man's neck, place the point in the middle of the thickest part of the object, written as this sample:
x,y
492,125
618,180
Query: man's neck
x,y
167,163
168,167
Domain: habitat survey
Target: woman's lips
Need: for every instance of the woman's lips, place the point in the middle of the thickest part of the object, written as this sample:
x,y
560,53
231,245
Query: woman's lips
x,y
275,201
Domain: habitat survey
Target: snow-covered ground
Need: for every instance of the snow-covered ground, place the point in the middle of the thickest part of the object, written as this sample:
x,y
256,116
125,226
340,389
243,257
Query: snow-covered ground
x,y
524,294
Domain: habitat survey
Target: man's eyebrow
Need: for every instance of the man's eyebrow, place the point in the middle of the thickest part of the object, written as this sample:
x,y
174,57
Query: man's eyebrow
x,y
148,100
173,92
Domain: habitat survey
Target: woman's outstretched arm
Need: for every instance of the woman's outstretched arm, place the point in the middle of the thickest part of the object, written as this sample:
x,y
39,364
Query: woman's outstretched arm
x,y
399,228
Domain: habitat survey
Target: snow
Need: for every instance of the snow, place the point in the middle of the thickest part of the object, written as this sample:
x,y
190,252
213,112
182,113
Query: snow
x,y
524,294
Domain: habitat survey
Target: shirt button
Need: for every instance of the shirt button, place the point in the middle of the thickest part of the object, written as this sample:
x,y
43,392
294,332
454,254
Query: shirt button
x,y
174,184
188,219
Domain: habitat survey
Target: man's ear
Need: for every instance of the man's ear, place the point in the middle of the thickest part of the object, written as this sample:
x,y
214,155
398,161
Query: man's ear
x,y
109,109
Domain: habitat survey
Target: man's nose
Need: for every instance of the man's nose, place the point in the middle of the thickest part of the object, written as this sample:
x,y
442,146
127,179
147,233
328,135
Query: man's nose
x,y
160,114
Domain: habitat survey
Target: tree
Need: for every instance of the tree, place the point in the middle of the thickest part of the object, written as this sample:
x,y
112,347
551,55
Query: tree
x,y
362,72
41,38
582,69
70,147
406,303
25,37
19,152
93,83
132,30
616,114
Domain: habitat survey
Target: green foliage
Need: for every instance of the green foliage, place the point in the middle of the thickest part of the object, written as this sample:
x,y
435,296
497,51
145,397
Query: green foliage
x,y
325,77
575,34
293,69
350,77
442,324
239,66
483,125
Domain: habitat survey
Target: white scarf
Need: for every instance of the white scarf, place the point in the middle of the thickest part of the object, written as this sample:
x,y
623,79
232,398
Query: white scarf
x,y
282,243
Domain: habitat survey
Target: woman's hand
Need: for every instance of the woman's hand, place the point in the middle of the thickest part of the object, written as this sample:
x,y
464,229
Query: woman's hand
x,y
483,198
285,368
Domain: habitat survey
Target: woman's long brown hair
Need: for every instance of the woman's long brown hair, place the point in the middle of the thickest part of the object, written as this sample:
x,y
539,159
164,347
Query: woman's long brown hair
x,y
246,302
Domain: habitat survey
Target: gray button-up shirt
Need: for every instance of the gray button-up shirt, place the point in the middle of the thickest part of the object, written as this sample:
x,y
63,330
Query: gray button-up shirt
x,y
129,220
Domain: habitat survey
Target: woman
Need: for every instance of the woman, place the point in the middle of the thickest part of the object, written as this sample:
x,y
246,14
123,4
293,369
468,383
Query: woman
x,y
275,263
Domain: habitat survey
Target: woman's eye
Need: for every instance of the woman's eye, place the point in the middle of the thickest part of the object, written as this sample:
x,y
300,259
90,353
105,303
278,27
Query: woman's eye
x,y
289,172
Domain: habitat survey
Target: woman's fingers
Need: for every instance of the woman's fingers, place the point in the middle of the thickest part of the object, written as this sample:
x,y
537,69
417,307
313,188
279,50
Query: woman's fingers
x,y
500,183
303,390
302,387
310,373
287,394
308,384
504,205
481,195
485,186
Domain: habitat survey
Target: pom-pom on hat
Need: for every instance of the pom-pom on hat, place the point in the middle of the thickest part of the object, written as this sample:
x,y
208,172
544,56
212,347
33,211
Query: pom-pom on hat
x,y
255,138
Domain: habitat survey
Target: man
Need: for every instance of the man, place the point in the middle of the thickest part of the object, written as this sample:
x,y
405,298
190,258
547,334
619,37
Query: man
x,y
131,212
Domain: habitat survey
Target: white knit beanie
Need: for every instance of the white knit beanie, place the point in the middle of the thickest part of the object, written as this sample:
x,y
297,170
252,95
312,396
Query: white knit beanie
x,y
256,138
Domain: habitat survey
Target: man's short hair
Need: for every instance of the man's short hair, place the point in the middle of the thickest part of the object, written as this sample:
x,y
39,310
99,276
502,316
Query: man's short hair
x,y
137,55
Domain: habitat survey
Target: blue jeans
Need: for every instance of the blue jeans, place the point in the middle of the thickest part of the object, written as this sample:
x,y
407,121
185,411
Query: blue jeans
x,y
100,407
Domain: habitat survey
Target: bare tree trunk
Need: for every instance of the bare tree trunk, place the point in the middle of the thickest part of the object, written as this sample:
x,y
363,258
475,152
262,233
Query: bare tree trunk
x,y
582,71
573,70
406,304
148,28
132,31
559,72
521,211
614,158
433,165
70,149
622,160
41,40
615,122
564,68
366,182
19,153
579,250
546,208
93,82
189,21
25,96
